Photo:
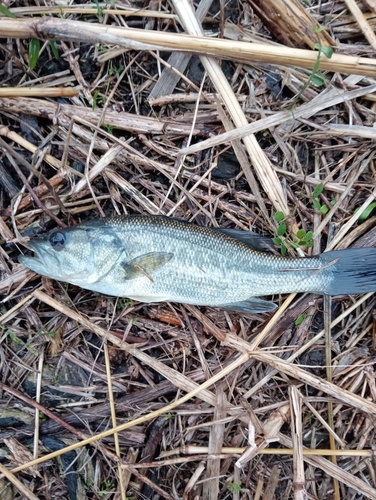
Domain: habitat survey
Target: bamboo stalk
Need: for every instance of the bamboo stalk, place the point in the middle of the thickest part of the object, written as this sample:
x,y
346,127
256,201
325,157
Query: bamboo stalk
x,y
63,29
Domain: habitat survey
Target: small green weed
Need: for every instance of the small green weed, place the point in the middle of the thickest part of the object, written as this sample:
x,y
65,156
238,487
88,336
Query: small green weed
x,y
113,70
100,15
316,76
123,302
54,49
323,209
6,12
367,212
299,320
14,338
302,238
97,99
34,51
110,128
234,488
106,487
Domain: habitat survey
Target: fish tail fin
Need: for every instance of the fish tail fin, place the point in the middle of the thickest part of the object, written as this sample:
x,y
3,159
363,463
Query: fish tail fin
x,y
354,270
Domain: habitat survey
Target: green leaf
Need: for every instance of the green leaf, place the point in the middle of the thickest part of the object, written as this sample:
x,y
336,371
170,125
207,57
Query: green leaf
x,y
309,244
317,29
277,241
316,204
299,320
283,249
301,234
327,51
302,243
309,235
324,209
281,229
367,212
317,46
54,49
279,216
6,12
34,49
318,79
317,191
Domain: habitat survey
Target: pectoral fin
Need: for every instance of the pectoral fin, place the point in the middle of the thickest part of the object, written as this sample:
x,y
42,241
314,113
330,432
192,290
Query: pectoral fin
x,y
146,265
253,305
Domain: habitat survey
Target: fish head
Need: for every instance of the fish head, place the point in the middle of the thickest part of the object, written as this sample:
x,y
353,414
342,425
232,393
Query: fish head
x,y
78,255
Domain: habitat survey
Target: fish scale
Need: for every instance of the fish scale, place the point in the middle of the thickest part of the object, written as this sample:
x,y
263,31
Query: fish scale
x,y
156,258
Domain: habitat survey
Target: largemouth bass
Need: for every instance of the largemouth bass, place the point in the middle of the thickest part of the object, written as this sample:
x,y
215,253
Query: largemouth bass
x,y
156,258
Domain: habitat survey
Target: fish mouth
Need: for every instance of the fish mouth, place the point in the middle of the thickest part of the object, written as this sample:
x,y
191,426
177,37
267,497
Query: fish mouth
x,y
41,263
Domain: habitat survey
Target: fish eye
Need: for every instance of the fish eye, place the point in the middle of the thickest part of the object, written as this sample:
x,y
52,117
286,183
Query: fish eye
x,y
57,241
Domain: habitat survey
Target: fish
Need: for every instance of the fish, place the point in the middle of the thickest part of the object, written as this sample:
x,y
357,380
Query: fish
x,y
152,258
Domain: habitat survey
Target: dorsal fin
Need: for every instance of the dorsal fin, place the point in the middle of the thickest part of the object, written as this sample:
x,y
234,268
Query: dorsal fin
x,y
253,240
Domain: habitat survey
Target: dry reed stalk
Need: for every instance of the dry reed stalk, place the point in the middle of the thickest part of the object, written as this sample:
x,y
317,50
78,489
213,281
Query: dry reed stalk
x,y
216,437
231,450
336,472
97,169
362,22
13,136
291,23
345,228
300,492
24,490
64,113
259,160
295,372
40,92
113,419
193,480
62,29
82,9
307,345
329,377
37,399
178,379
327,99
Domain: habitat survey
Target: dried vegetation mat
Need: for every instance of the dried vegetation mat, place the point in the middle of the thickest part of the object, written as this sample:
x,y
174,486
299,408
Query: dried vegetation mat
x,y
254,114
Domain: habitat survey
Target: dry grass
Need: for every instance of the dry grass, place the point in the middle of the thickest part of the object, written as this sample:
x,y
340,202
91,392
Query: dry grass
x,y
106,398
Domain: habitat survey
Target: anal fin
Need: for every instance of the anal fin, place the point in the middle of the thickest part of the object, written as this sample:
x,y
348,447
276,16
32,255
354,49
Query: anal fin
x,y
252,305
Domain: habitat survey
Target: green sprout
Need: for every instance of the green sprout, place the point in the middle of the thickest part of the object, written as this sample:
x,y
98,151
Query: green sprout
x,y
316,77
234,488
34,51
6,12
106,487
99,11
302,238
115,71
367,212
97,99
315,199
110,128
54,49
299,320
